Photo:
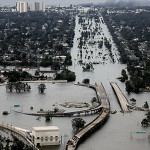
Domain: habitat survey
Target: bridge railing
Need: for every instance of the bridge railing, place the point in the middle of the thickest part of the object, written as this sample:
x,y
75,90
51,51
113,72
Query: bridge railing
x,y
18,132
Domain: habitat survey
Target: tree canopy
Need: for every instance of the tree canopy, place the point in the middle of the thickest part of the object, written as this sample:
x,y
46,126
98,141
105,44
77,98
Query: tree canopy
x,y
78,123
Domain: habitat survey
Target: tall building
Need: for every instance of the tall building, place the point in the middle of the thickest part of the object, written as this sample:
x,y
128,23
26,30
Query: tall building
x,y
36,6
22,6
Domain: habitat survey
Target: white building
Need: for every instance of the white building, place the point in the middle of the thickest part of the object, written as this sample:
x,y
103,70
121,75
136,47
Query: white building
x,y
48,135
36,6
42,6
22,6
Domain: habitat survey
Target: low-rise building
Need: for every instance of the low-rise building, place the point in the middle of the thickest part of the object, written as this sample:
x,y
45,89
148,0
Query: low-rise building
x,y
48,135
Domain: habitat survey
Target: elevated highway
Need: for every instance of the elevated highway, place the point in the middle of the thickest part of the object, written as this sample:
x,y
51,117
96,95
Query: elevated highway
x,y
96,123
121,98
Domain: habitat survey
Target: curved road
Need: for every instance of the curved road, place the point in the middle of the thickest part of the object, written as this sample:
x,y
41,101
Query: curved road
x,y
96,123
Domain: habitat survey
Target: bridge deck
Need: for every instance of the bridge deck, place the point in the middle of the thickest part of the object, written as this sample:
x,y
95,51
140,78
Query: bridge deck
x,y
98,121
121,98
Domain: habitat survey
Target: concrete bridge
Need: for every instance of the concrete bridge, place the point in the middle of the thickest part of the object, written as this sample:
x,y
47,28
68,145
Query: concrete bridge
x,y
103,110
68,114
96,123
121,98
101,96
21,132
125,105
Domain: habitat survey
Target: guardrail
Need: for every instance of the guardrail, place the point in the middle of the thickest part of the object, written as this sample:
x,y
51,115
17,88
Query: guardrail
x,y
82,134
18,132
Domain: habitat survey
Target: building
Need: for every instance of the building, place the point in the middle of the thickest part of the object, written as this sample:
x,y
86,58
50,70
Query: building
x,y
7,9
22,6
36,6
42,6
48,135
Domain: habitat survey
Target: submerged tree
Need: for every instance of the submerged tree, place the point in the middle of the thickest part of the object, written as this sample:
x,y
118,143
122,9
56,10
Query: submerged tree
x,y
88,67
9,86
129,87
133,100
144,122
18,86
48,116
93,100
41,88
86,81
146,105
66,75
148,116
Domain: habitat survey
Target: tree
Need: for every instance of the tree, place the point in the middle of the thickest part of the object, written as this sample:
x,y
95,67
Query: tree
x,y
86,81
19,145
148,116
37,73
133,100
78,123
56,110
144,122
18,86
66,75
88,67
1,145
146,105
124,74
94,100
129,87
41,88
9,86
48,116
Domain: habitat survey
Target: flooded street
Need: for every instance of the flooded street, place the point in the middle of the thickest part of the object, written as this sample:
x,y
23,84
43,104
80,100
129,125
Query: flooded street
x,y
119,132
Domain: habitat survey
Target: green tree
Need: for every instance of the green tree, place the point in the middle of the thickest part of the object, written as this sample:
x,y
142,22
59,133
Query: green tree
x,y
78,123
148,116
146,105
41,88
48,116
37,73
133,100
66,75
94,100
86,81
56,110
129,87
144,122
124,74
9,86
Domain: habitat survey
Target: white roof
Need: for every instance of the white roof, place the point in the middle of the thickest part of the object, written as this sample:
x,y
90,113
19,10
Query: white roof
x,y
60,56
46,128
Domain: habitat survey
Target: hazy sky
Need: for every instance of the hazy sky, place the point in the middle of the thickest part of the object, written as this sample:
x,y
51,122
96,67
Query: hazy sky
x,y
68,2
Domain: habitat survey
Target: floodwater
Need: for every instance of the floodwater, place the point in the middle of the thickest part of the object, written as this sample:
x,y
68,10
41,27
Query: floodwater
x,y
119,132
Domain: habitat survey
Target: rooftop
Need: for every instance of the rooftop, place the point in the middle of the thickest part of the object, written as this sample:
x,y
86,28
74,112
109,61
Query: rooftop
x,y
46,128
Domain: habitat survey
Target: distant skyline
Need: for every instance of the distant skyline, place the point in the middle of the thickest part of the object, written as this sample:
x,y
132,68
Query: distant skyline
x,y
74,2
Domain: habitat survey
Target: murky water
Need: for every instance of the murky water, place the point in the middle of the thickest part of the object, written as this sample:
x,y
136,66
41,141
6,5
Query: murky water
x,y
119,133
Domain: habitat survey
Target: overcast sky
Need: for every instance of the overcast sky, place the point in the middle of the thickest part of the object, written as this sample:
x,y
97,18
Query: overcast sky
x,y
68,2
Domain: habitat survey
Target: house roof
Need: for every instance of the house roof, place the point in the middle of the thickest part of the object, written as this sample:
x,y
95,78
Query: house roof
x,y
45,128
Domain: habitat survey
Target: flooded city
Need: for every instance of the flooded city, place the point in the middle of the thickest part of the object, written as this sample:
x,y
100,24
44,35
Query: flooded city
x,y
120,130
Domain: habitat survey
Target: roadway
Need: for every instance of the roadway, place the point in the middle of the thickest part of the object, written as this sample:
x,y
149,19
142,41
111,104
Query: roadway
x,y
121,98
96,123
